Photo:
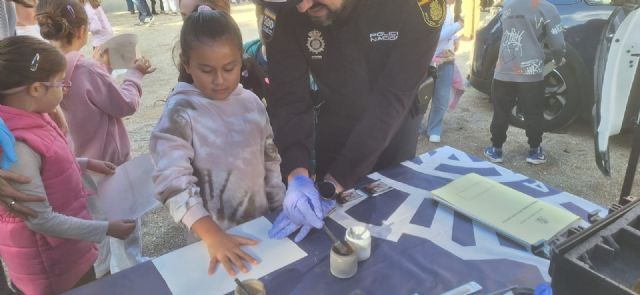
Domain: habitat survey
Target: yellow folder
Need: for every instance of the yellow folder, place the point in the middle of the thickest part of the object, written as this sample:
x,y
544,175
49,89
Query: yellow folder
x,y
524,219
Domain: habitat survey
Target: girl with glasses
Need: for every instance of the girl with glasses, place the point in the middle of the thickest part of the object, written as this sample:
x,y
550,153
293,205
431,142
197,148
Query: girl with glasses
x,y
55,251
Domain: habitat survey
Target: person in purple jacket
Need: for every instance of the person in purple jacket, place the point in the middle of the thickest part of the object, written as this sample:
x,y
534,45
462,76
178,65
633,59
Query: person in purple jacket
x,y
95,106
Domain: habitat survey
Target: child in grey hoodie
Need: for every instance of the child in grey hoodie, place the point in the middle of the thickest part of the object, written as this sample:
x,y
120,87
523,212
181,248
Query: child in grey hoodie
x,y
217,165
526,26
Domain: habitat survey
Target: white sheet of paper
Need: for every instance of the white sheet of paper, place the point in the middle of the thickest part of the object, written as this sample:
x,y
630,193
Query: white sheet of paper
x,y
128,193
185,270
122,50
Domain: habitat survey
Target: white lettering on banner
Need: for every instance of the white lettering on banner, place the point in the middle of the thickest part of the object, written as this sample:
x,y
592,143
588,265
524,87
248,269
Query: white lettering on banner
x,y
537,185
383,36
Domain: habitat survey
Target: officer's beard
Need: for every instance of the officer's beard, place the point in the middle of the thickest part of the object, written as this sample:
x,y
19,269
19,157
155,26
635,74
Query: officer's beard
x,y
332,15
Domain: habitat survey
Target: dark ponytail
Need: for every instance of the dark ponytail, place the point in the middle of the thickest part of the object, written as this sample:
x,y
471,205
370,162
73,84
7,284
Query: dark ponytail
x,y
203,26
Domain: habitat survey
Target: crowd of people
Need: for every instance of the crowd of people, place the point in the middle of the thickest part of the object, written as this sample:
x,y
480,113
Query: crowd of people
x,y
327,95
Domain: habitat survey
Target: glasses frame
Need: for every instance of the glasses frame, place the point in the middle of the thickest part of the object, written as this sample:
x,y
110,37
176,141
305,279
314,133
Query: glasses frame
x,y
65,85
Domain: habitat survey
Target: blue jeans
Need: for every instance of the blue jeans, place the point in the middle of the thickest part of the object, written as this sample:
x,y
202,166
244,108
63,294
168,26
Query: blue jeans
x,y
440,101
143,9
130,5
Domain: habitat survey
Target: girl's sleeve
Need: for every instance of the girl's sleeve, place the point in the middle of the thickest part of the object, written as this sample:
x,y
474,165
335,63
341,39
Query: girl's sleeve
x,y
117,101
171,149
49,222
274,187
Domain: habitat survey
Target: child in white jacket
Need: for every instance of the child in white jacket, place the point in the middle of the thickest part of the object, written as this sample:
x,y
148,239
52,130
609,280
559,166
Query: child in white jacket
x,y
99,25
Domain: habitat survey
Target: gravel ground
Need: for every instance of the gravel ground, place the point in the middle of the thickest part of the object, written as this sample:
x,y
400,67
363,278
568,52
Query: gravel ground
x,y
571,166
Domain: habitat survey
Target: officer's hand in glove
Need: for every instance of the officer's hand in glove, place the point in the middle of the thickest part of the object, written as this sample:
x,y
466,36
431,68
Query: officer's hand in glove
x,y
284,226
302,202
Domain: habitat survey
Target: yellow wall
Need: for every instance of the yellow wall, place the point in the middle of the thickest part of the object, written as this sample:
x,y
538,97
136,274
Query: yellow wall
x,y
471,14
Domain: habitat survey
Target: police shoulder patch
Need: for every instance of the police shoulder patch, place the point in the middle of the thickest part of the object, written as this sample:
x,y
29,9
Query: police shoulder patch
x,y
268,24
433,11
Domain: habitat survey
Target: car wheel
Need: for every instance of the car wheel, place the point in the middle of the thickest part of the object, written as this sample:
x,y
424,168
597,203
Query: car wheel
x,y
562,100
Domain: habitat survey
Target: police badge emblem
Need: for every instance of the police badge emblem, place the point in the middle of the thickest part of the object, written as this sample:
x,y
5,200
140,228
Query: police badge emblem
x,y
315,42
433,11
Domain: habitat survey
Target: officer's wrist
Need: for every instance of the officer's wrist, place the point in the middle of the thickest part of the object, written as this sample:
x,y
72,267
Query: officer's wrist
x,y
297,172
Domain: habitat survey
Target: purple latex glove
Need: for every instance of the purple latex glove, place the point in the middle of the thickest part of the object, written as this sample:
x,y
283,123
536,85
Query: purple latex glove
x,y
543,289
302,202
284,226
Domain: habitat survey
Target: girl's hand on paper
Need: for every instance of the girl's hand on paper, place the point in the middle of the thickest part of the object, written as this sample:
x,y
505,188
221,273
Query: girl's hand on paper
x,y
223,248
226,250
101,167
121,229
143,65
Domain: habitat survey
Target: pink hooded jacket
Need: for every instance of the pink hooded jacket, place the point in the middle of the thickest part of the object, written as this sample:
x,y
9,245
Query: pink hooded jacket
x,y
40,264
95,106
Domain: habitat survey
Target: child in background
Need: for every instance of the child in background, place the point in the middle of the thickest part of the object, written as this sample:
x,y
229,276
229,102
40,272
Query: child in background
x,y
217,165
444,61
94,109
26,24
99,24
54,251
187,7
170,7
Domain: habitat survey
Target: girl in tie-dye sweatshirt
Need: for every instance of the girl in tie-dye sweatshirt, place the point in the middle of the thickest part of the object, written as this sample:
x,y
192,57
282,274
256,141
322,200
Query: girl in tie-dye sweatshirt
x,y
217,165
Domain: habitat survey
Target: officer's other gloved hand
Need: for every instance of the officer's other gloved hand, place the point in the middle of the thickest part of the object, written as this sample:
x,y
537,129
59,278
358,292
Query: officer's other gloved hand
x,y
7,142
284,226
302,208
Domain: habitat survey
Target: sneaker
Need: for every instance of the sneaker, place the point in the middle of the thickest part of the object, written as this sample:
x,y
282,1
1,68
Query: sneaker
x,y
536,156
494,154
434,138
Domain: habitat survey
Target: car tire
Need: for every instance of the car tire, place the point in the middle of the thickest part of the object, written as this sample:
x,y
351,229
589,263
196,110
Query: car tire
x,y
562,99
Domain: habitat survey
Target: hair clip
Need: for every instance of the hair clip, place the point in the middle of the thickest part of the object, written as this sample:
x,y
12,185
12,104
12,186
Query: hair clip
x,y
34,62
71,11
202,8
245,73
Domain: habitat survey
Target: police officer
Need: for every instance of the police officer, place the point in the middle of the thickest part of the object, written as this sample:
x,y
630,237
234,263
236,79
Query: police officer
x,y
367,58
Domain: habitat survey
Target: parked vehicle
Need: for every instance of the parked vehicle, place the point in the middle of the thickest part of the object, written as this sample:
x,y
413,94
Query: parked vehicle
x,y
617,82
569,88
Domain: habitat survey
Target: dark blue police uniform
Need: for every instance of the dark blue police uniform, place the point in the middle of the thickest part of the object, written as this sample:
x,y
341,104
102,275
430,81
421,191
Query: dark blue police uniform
x,y
367,66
